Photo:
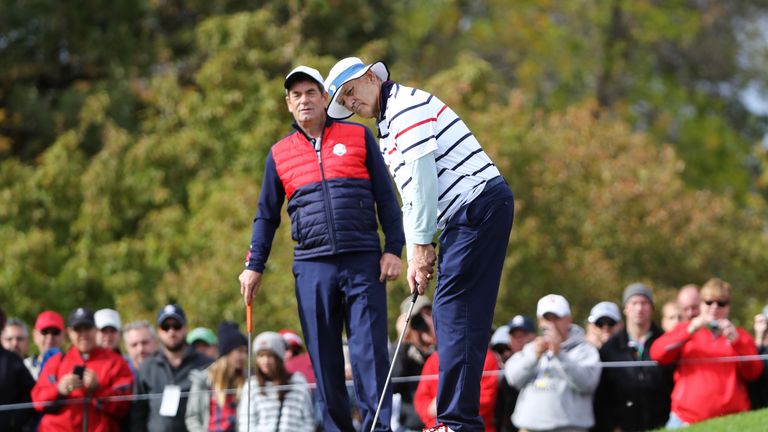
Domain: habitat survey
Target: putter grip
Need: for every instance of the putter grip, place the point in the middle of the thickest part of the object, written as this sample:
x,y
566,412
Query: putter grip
x,y
249,317
415,296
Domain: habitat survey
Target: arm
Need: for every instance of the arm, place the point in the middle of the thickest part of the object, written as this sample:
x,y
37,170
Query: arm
x,y
580,367
387,208
267,217
521,368
117,382
139,413
46,388
744,345
667,348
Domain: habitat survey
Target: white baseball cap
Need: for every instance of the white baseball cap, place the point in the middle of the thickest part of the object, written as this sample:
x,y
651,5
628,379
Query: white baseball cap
x,y
343,72
298,72
553,303
604,309
107,318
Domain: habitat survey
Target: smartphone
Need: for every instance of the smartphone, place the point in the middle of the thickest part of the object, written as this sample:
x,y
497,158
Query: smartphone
x,y
79,370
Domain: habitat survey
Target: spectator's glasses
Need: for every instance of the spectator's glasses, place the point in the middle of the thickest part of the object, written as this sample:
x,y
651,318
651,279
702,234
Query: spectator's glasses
x,y
167,326
720,303
50,331
605,322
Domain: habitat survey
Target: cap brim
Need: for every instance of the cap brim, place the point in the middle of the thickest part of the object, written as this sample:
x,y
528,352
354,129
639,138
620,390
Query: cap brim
x,y
338,111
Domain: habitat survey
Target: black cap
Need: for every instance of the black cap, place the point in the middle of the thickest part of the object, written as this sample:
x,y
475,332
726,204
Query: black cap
x,y
81,317
522,322
171,311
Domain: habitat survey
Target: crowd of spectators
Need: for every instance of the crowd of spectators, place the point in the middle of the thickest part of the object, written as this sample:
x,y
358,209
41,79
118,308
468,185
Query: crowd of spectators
x,y
621,370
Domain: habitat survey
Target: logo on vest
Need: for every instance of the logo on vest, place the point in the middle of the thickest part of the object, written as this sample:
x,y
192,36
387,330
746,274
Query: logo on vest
x,y
339,149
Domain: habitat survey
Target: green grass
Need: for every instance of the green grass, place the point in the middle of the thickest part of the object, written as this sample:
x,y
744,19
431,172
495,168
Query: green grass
x,y
745,422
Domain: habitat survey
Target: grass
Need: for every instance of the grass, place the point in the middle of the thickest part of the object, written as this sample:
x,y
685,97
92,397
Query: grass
x,y
744,422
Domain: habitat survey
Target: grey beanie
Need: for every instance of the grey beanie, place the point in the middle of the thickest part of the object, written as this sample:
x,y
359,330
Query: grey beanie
x,y
637,288
270,341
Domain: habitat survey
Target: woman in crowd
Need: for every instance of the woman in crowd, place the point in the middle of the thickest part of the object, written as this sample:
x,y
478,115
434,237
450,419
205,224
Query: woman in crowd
x,y
280,402
705,386
216,391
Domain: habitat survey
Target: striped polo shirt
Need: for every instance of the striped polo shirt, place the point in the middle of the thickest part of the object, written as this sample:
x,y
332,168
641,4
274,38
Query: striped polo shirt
x,y
416,123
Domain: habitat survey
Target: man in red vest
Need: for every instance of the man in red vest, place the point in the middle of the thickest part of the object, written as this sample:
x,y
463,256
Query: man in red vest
x,y
335,181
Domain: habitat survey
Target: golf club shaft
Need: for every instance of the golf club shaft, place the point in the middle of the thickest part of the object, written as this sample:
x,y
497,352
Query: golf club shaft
x,y
394,358
249,324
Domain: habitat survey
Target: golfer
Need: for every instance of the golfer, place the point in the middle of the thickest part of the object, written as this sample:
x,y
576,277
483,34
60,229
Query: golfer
x,y
447,182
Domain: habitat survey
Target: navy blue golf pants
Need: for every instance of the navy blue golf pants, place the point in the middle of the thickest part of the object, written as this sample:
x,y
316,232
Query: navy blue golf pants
x,y
343,291
472,249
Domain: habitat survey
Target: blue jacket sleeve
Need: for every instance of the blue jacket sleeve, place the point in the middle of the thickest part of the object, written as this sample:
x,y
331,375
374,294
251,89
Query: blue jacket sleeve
x,y
390,217
267,217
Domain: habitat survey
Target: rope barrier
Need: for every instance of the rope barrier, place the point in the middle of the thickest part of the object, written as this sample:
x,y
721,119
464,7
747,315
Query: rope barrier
x,y
403,379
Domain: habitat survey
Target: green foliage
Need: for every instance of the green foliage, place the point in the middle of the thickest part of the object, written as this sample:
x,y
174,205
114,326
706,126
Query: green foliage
x,y
133,137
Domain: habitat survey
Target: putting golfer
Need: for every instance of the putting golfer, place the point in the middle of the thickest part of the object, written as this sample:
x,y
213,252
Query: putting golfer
x,y
446,181
336,184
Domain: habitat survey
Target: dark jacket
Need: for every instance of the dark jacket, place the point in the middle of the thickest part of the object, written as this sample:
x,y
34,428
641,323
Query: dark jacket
x,y
154,374
16,383
633,398
333,199
758,389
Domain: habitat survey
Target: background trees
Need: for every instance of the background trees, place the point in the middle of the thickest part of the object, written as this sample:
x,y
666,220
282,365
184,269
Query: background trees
x,y
133,134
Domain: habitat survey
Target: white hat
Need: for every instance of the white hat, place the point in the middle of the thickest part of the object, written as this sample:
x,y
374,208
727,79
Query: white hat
x,y
500,336
107,318
302,70
553,303
270,341
341,73
604,309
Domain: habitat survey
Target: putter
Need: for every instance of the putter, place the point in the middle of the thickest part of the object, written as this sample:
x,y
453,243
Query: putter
x,y
392,366
249,324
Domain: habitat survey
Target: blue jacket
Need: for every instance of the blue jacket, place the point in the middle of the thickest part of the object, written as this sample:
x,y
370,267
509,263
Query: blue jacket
x,y
333,198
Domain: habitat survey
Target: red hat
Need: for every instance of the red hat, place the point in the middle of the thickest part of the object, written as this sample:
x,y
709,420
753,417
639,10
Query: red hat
x,y
291,338
48,319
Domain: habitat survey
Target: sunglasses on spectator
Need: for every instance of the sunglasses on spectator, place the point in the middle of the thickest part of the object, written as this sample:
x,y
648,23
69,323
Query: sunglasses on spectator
x,y
50,331
721,303
605,322
167,326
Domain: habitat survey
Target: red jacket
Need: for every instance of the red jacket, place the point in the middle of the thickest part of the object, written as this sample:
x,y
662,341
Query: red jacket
x,y
489,387
705,390
114,378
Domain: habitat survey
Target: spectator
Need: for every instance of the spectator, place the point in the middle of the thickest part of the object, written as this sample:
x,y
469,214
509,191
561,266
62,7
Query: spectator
x,y
286,409
108,327
557,373
603,322
425,398
670,316
758,389
418,345
16,383
15,337
204,341
48,336
633,398
168,368
708,389
140,341
522,330
296,356
500,344
212,405
688,300
86,372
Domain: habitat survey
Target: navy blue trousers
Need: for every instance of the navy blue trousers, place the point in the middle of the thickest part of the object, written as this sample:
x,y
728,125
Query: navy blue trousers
x,y
343,291
472,249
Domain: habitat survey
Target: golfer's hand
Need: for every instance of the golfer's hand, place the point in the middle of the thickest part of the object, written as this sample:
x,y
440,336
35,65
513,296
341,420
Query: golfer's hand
x,y
250,281
421,267
391,266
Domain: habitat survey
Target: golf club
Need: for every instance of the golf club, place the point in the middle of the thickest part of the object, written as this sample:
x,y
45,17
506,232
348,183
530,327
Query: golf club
x,y
249,324
394,357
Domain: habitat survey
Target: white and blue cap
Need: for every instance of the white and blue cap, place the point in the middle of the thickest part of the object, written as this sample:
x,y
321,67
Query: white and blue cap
x,y
343,72
171,311
302,72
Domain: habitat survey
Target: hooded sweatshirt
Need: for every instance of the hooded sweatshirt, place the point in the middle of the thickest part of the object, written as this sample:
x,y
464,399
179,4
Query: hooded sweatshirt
x,y
556,391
